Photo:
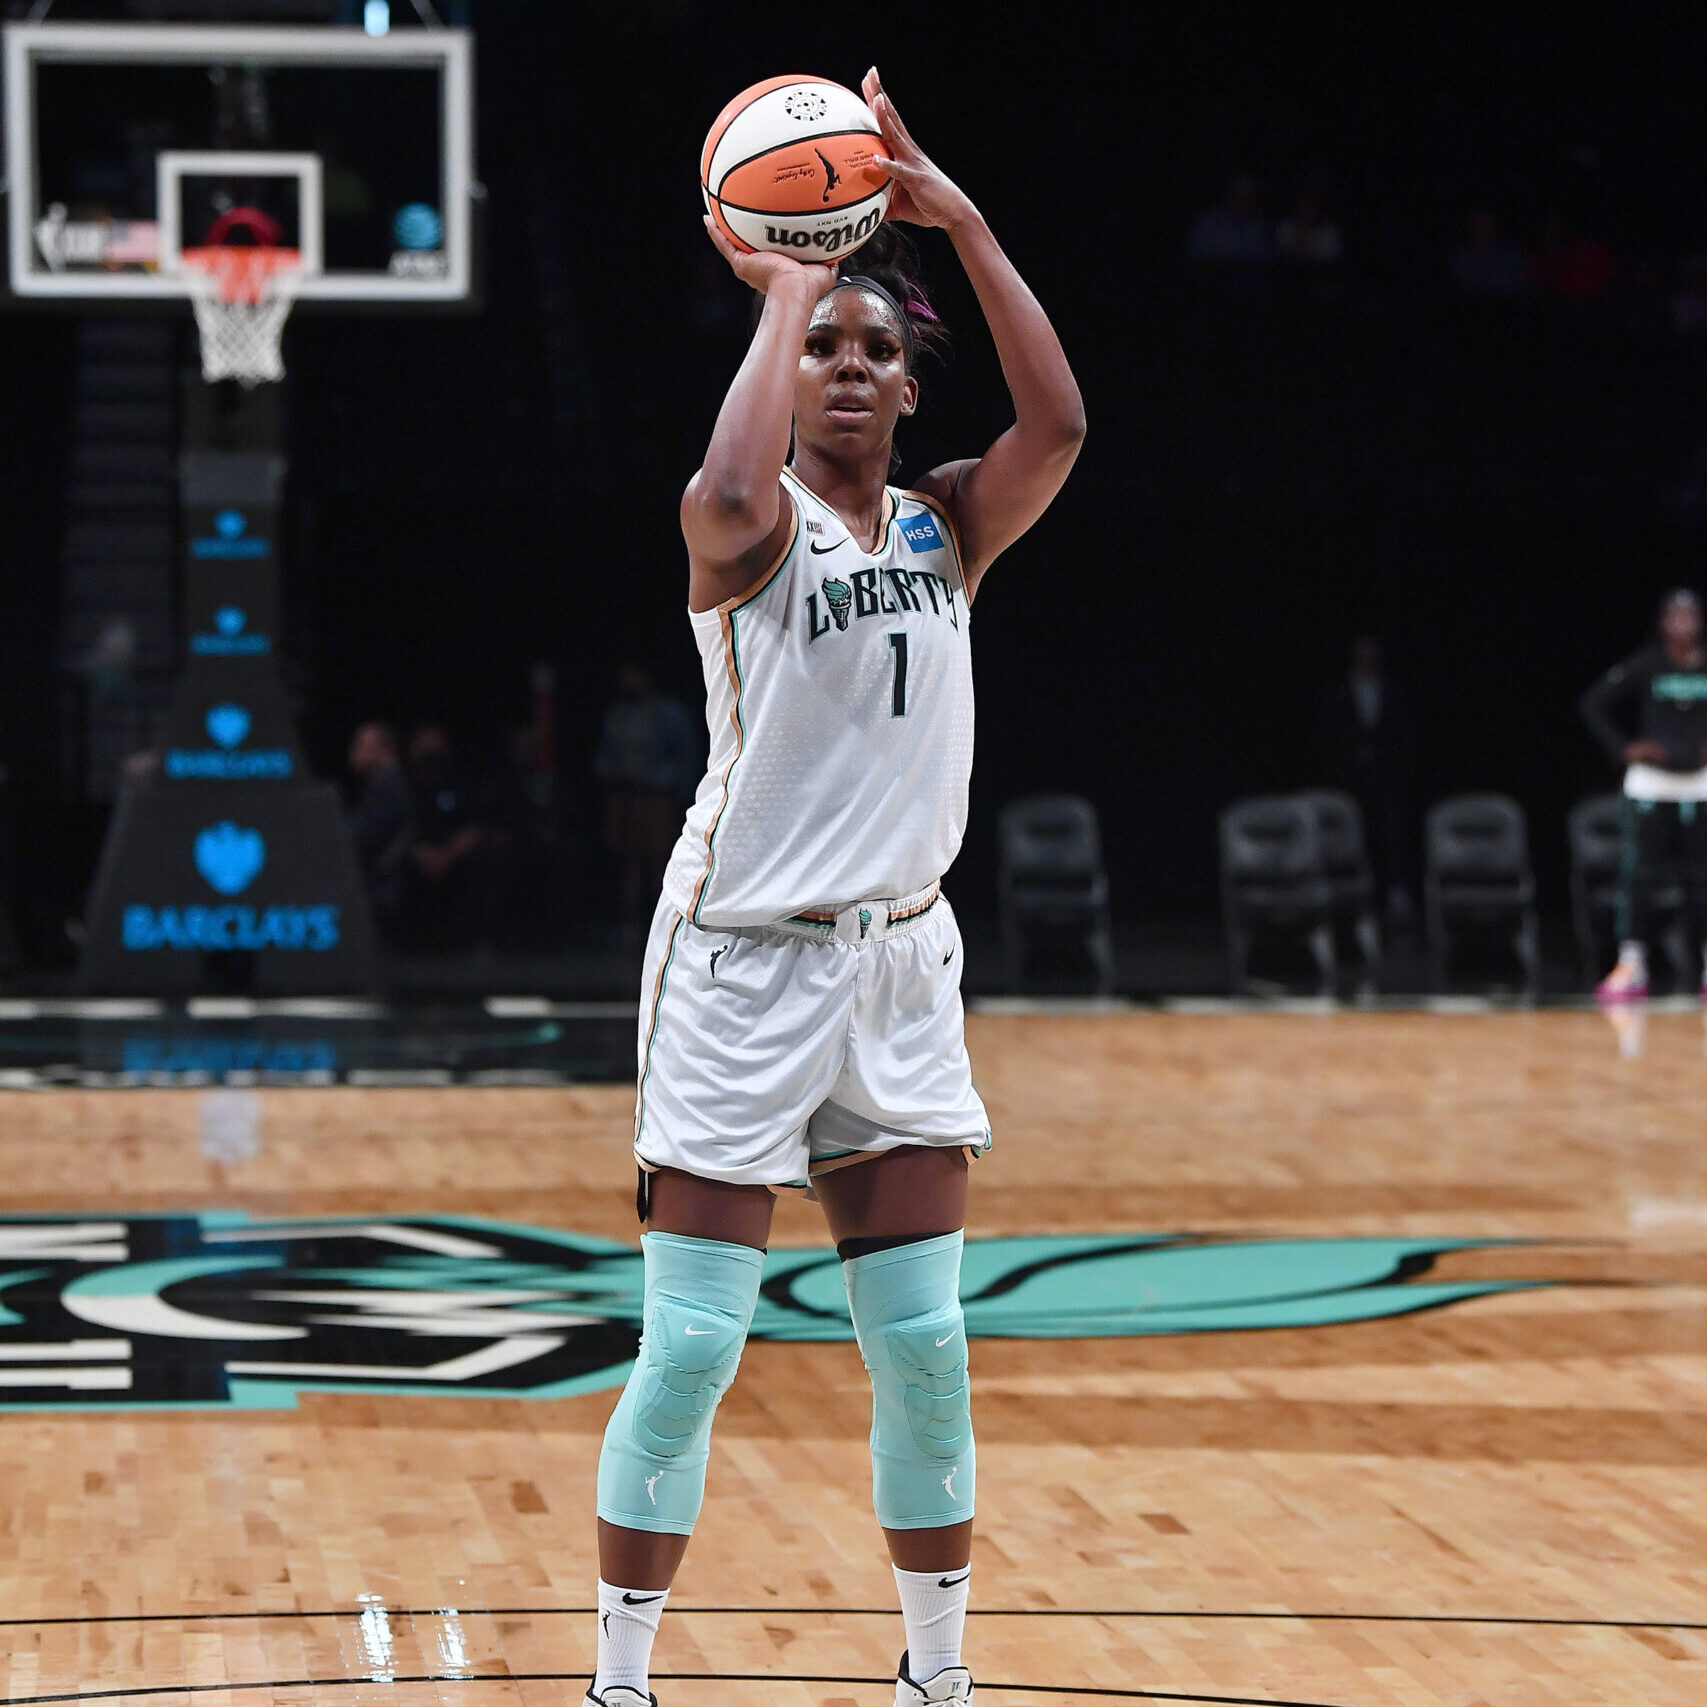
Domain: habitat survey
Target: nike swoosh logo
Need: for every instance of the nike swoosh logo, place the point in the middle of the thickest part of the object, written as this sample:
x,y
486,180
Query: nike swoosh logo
x,y
698,1333
814,546
647,1599
948,957
952,1582
944,1340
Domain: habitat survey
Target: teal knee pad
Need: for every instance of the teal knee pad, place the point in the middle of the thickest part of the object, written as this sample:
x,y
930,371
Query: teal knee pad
x,y
912,1335
700,1297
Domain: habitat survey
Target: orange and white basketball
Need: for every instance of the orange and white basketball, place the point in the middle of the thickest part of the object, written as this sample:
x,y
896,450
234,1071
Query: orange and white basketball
x,y
789,167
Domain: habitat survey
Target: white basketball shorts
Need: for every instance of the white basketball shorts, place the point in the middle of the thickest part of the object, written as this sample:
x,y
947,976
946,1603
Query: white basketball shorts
x,y
771,1053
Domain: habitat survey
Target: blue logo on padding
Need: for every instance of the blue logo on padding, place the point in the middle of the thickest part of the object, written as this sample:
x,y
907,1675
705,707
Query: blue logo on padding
x,y
231,539
230,622
214,930
418,226
230,858
227,725
921,534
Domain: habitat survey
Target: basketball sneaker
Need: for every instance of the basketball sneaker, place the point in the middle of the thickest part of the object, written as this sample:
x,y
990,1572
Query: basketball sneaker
x,y
952,1683
619,1695
1626,982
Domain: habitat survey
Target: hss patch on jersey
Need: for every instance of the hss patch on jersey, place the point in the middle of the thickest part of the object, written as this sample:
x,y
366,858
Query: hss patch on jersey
x,y
920,533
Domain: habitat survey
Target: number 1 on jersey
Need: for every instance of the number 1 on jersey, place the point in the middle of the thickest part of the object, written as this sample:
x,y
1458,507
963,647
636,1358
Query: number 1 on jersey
x,y
898,699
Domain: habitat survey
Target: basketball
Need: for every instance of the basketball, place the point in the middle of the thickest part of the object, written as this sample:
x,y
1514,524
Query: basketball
x,y
788,167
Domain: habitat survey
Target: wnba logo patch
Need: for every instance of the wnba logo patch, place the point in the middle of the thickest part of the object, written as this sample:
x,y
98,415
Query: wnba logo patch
x,y
920,533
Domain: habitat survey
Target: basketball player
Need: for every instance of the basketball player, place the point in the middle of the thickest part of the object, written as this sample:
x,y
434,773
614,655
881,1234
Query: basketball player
x,y
1665,784
801,1020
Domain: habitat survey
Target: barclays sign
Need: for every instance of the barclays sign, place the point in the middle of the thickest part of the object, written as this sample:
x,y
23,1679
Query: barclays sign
x,y
230,637
216,929
227,725
230,541
230,857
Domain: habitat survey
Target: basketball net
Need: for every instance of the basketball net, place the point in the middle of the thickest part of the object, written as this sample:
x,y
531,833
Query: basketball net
x,y
242,298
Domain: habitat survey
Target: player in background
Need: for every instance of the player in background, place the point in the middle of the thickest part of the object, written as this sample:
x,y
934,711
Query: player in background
x,y
1665,784
801,1020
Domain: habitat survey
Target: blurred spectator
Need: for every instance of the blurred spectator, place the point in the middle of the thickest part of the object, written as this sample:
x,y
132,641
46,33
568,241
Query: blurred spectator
x,y
1662,692
1570,263
1487,263
381,820
1368,739
526,813
110,663
1230,243
453,877
648,761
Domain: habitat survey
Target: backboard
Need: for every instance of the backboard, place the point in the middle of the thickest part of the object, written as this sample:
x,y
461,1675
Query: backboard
x,y
126,144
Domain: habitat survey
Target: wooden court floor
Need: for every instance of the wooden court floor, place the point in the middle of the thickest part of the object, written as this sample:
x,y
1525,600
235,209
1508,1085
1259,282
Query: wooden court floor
x,y
1499,1501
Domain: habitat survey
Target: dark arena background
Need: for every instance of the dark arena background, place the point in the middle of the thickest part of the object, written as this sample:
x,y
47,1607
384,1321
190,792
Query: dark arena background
x,y
1337,1272
1498,484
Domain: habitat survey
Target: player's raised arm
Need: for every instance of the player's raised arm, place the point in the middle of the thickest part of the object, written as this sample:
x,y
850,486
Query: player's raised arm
x,y
996,497
733,508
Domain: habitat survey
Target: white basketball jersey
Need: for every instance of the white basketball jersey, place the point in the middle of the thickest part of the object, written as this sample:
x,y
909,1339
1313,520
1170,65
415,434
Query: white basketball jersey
x,y
839,700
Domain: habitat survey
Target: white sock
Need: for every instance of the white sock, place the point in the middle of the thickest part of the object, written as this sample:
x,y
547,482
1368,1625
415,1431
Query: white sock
x,y
933,1610
1634,955
628,1624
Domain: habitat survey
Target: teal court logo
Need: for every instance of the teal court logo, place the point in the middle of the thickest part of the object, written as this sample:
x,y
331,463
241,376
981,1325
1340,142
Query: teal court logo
x,y
217,1310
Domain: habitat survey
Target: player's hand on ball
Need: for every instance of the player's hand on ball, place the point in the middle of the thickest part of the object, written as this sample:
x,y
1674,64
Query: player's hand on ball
x,y
924,194
762,270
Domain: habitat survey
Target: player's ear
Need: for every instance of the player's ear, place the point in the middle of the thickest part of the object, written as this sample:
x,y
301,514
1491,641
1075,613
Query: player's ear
x,y
909,395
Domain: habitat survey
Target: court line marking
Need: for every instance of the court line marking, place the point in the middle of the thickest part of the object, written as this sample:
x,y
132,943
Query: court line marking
x,y
1497,1618
661,1676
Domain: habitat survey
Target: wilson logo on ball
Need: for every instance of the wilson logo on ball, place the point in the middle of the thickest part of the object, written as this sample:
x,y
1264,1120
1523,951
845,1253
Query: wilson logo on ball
x,y
790,164
833,242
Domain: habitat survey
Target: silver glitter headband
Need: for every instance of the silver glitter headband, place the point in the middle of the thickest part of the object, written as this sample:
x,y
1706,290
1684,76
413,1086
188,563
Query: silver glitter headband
x,y
863,281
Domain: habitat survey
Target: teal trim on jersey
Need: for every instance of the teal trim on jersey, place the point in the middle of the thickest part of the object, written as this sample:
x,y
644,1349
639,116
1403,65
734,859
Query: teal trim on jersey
x,y
740,690
652,1032
892,493
740,748
950,537
770,580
